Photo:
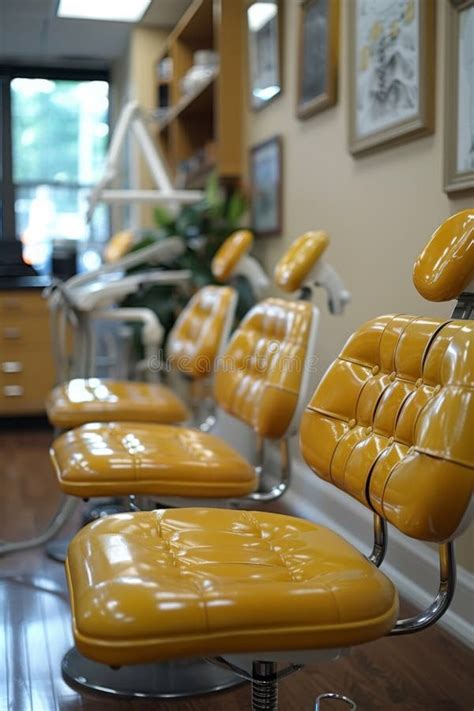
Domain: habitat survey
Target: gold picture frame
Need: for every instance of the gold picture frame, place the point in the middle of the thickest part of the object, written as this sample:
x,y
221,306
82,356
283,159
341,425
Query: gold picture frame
x,y
384,109
317,56
266,187
459,114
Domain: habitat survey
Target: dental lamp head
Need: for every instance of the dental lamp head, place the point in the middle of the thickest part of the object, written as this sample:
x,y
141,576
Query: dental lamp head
x,y
233,259
303,267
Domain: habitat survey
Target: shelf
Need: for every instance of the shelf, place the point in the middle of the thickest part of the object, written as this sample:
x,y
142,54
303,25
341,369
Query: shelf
x,y
196,102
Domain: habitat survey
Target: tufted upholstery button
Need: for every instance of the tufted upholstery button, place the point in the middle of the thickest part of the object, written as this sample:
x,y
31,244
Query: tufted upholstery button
x,y
420,446
182,582
375,370
368,430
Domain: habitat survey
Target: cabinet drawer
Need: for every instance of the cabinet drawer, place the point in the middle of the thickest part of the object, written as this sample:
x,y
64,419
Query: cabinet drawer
x,y
21,303
25,392
24,332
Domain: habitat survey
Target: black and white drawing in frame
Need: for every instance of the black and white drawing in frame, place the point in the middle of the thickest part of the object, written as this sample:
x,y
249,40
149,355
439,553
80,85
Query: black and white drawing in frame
x,y
392,46
465,112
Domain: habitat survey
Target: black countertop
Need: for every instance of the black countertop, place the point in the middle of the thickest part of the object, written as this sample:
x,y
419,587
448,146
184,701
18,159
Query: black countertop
x,y
11,283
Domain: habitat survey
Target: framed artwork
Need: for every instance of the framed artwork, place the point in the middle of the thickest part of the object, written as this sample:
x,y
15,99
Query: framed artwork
x,y
264,42
391,84
318,56
266,187
459,120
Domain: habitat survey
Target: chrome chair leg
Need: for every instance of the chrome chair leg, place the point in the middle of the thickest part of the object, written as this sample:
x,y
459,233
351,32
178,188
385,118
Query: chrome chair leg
x,y
61,517
334,697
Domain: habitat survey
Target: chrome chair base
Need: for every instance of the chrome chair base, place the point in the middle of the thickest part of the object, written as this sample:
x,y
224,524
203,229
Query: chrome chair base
x,y
165,680
335,697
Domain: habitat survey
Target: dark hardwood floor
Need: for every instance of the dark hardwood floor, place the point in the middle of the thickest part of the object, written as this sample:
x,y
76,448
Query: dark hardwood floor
x,y
429,671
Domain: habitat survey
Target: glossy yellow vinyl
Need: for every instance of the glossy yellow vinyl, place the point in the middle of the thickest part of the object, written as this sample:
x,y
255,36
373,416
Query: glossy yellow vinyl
x,y
445,267
100,400
118,246
230,253
163,584
192,347
259,378
297,262
198,333
131,458
391,422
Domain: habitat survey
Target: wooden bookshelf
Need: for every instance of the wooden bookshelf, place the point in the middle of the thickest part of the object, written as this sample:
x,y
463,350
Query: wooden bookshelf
x,y
211,115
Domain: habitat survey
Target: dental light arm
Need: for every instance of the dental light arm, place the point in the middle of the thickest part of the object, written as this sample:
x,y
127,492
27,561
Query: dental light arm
x,y
131,119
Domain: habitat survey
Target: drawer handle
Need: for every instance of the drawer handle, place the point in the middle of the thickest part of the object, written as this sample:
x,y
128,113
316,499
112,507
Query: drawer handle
x,y
12,333
12,366
13,391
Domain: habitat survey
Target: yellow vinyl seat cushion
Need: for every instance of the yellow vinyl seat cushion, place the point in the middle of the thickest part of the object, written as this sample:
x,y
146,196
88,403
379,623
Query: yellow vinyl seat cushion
x,y
131,458
157,585
84,400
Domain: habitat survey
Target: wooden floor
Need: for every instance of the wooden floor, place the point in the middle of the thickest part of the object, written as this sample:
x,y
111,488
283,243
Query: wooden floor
x,y
425,672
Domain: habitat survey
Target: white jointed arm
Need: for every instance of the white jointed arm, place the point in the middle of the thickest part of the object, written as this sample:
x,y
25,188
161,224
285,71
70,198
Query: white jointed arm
x,y
250,268
325,275
131,119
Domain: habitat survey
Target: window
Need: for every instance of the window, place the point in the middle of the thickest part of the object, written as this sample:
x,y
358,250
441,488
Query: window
x,y
58,133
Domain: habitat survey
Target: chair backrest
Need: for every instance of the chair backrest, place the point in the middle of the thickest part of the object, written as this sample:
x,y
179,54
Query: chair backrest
x,y
445,268
259,378
227,257
118,246
201,330
296,265
392,420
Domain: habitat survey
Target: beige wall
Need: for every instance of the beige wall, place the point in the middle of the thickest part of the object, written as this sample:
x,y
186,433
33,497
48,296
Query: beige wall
x,y
134,77
379,210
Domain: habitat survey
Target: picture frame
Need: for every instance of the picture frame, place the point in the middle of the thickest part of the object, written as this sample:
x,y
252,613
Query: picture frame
x,y
459,91
317,56
266,186
392,80
264,33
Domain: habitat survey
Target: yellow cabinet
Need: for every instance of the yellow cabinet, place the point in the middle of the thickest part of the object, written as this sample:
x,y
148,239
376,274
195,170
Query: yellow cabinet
x,y
26,360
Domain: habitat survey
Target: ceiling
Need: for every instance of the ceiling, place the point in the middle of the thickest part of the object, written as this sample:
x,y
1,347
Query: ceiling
x,y
31,32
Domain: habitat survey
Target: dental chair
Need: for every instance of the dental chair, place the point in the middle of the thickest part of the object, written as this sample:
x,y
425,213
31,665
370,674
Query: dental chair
x,y
261,380
390,424
199,334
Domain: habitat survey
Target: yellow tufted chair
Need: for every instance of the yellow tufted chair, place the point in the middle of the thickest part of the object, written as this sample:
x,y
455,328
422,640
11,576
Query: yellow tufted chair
x,y
391,425
196,339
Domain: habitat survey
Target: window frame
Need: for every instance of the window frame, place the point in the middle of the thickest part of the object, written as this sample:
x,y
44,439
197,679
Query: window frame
x,y
7,185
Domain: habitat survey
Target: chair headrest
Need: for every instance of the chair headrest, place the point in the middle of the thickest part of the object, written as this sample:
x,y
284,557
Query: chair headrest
x,y
445,268
118,246
298,261
230,253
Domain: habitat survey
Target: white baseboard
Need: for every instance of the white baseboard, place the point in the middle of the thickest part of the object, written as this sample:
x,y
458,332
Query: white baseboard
x,y
412,565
